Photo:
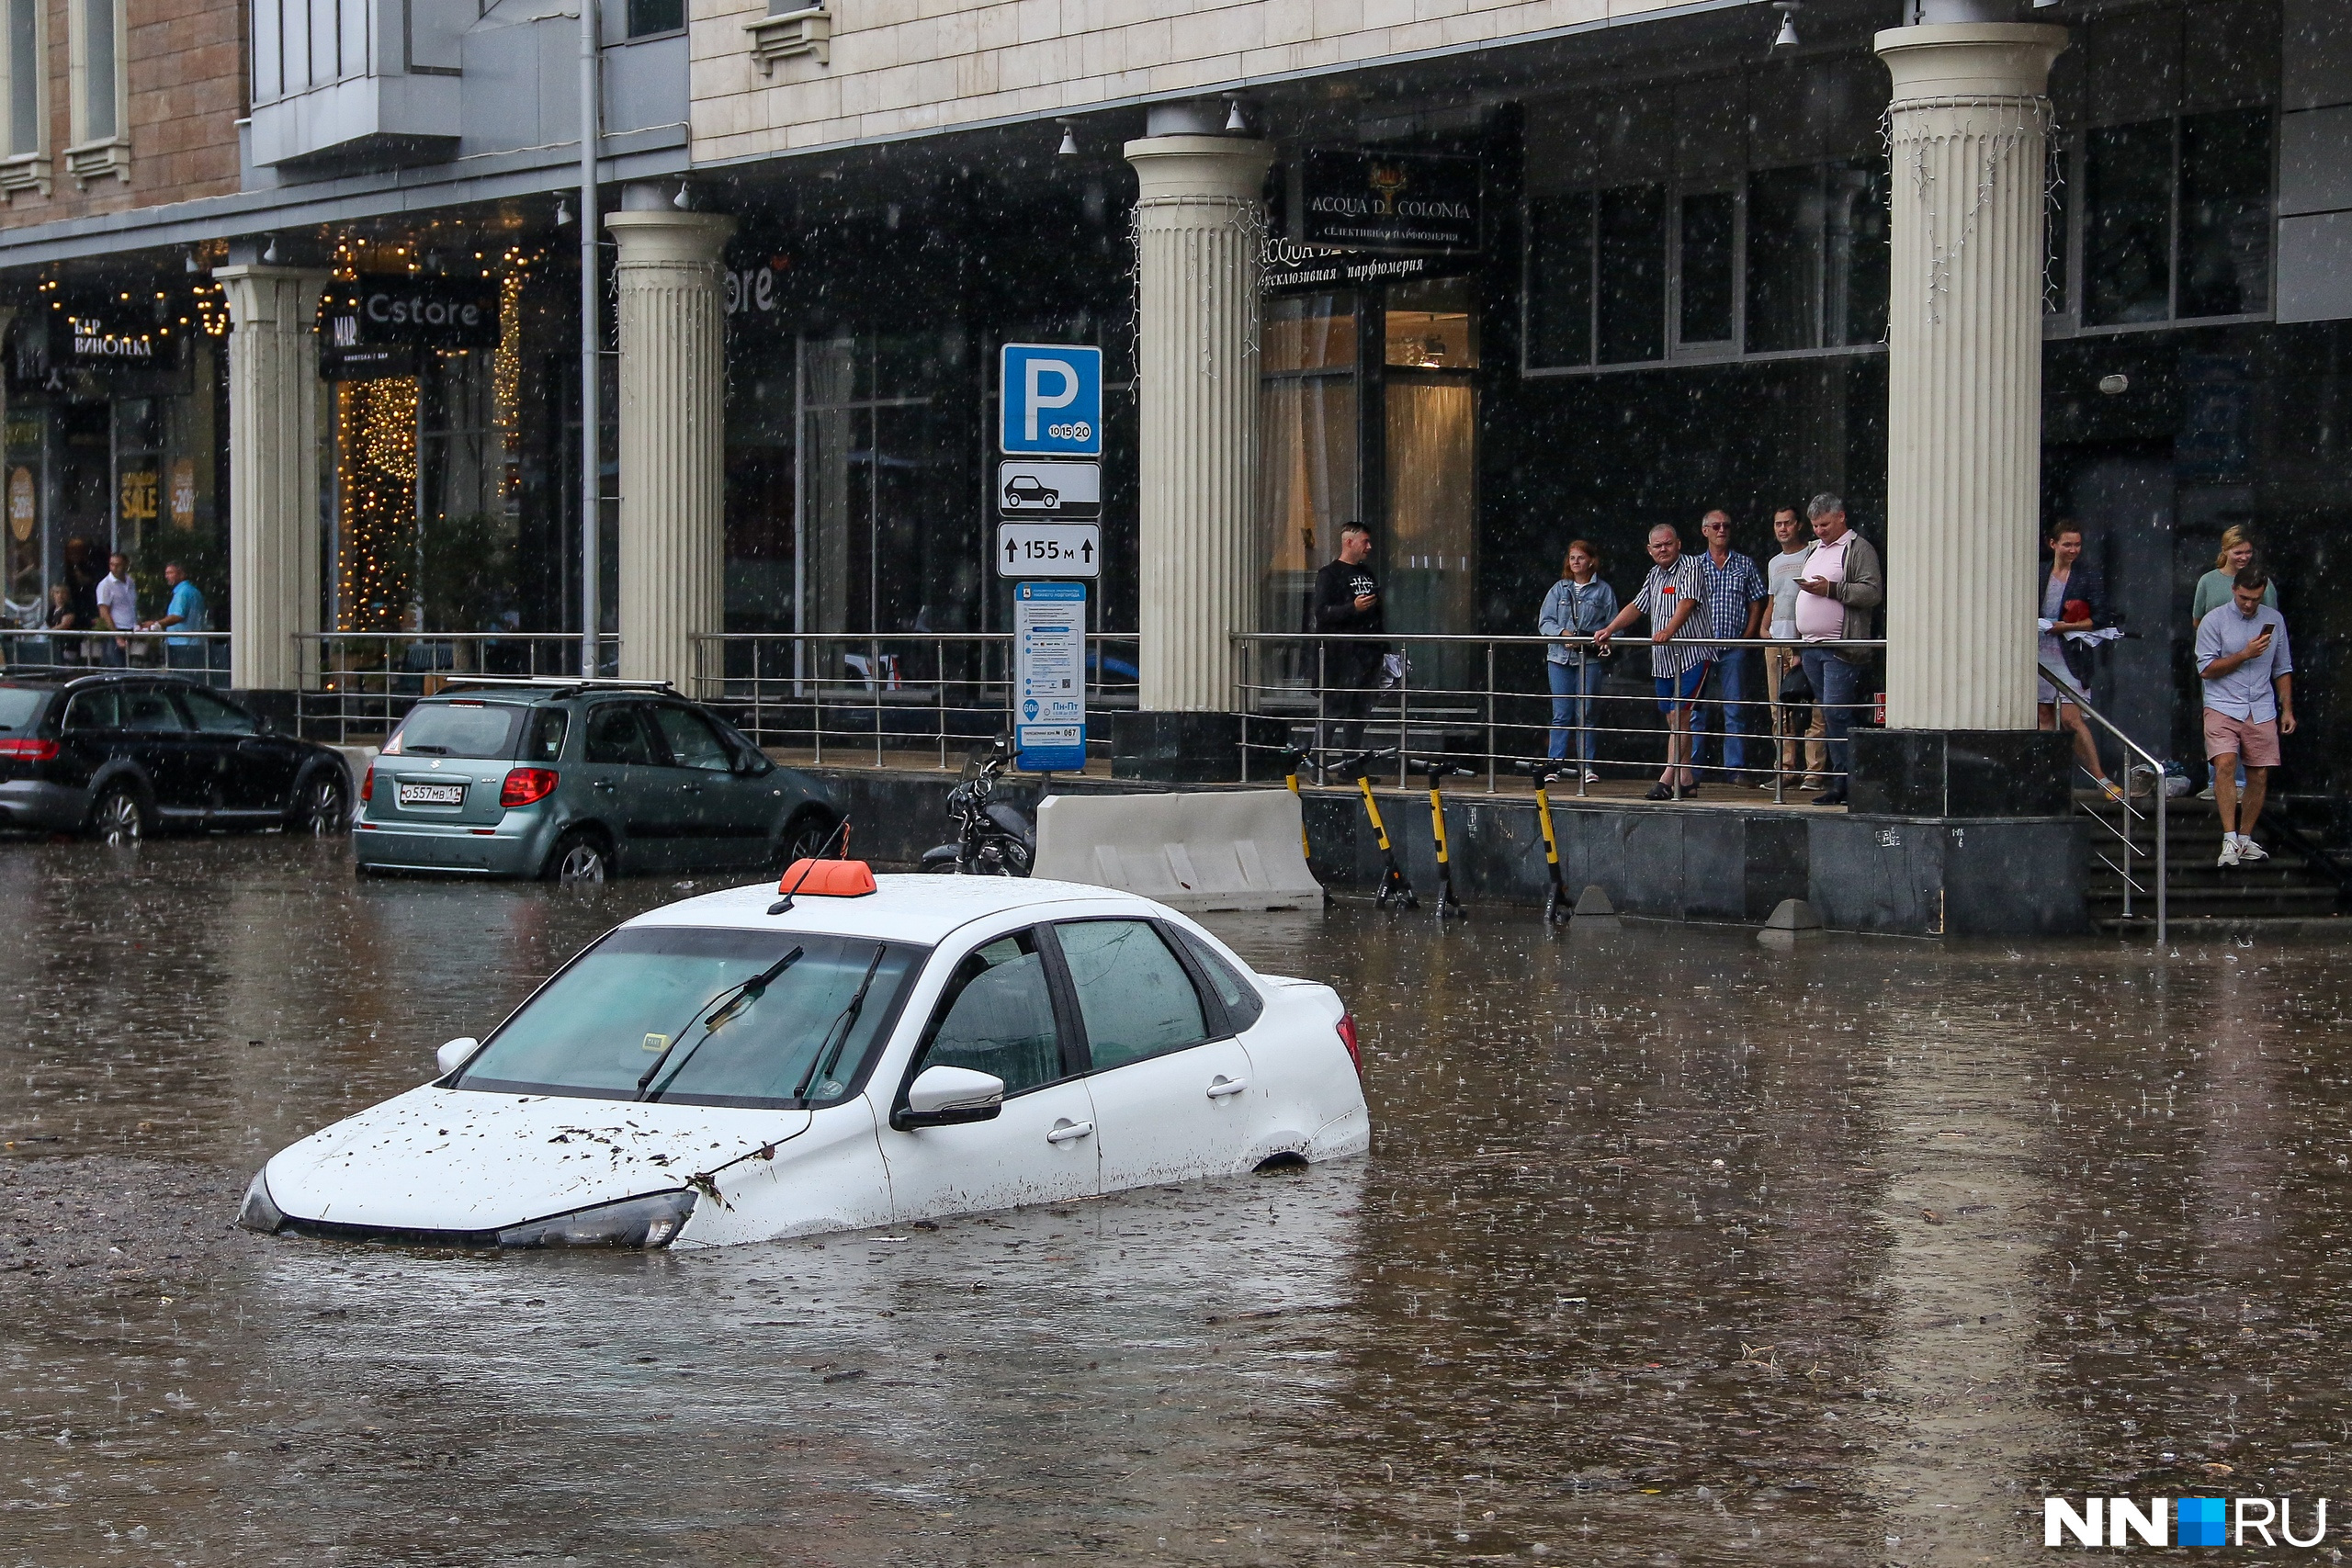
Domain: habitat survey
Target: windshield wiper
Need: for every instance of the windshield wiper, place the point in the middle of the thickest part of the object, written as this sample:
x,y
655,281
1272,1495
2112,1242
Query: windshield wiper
x,y
840,1028
735,998
426,750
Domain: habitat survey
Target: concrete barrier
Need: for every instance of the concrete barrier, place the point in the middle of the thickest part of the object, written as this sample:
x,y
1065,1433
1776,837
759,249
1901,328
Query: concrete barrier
x,y
1195,851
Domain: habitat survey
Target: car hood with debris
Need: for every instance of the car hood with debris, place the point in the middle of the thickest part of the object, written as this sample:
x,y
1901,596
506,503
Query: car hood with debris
x,y
463,1160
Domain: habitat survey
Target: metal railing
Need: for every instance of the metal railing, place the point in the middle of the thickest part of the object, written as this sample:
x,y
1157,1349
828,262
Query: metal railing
x,y
2142,763
62,655
362,683
1491,701
841,696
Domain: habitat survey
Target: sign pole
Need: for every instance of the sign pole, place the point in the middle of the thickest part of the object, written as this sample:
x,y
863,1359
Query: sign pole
x,y
592,370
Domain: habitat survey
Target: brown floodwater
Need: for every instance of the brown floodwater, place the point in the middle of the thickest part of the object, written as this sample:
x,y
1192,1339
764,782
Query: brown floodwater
x,y
1672,1248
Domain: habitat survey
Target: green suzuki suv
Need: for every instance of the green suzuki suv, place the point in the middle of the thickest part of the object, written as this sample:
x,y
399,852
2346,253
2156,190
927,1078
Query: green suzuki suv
x,y
577,781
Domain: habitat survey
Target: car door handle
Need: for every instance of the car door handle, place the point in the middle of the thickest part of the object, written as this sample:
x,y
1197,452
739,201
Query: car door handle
x,y
1064,1132
604,784
691,789
1221,1086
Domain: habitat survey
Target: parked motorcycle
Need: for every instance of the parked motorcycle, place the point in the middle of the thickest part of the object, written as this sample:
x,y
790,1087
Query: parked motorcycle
x,y
992,837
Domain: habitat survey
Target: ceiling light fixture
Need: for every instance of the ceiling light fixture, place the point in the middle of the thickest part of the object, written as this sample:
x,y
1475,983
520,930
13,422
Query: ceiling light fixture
x,y
562,212
1235,123
1068,148
1787,37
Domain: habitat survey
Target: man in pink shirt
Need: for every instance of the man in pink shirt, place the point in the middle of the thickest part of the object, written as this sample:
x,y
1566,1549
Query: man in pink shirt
x,y
1840,584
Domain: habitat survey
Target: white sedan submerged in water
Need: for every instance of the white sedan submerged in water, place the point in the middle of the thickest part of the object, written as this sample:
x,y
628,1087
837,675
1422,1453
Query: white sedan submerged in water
x,y
739,1066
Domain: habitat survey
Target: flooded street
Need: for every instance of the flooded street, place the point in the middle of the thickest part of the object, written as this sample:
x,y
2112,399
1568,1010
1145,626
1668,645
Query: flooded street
x,y
1672,1248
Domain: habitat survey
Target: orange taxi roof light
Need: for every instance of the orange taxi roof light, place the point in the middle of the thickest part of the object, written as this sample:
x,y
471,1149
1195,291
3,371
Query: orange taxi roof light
x,y
828,879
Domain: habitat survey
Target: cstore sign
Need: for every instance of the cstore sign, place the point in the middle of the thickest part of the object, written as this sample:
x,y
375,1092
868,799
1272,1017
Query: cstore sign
x,y
416,310
1392,201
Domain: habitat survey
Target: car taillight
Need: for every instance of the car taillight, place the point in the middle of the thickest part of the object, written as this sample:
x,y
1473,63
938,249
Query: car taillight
x,y
29,751
1348,1038
367,785
525,785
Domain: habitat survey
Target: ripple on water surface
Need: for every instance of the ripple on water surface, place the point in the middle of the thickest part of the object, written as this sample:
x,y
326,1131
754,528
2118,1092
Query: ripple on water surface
x,y
1671,1248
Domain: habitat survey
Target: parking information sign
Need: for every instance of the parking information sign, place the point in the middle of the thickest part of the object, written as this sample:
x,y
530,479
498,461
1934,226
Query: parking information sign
x,y
1026,487
1051,398
1049,549
1049,676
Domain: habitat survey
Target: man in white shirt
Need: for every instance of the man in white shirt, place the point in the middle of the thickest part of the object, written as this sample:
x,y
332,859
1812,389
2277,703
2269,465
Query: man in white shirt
x,y
118,607
2248,672
1780,574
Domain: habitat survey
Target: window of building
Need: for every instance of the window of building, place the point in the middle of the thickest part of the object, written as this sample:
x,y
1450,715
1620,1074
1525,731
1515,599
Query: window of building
x,y
2165,209
24,162
97,83
1704,219
649,16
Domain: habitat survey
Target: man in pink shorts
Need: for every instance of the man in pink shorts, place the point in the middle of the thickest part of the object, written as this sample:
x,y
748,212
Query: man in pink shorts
x,y
2249,703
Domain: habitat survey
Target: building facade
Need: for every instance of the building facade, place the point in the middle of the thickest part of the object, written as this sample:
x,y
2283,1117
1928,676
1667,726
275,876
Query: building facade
x,y
1515,274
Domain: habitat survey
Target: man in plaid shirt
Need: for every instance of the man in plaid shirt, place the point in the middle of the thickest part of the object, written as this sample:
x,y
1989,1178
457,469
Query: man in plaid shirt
x,y
1736,597
1672,596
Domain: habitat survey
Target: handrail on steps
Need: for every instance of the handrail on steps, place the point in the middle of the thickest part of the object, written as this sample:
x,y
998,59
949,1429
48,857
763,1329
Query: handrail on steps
x,y
2065,683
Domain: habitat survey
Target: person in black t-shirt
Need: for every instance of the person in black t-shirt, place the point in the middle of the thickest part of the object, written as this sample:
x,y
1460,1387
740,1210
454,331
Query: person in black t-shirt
x,y
1346,599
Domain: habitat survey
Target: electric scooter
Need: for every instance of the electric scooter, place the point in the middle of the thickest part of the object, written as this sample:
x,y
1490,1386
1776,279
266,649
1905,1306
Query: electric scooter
x,y
1436,769
1393,885
1293,759
1557,905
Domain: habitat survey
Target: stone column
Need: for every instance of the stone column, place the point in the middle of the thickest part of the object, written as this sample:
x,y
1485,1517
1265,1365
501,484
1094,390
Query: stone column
x,y
672,446
1964,371
1198,211
273,537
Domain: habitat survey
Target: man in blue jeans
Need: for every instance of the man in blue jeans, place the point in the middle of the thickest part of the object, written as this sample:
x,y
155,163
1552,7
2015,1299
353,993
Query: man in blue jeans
x,y
1838,586
1736,595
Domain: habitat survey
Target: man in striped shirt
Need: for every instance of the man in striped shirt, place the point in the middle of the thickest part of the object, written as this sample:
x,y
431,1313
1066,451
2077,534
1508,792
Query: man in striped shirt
x,y
1670,595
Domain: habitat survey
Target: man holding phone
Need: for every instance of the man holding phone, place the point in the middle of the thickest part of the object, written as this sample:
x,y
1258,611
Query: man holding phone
x,y
2243,655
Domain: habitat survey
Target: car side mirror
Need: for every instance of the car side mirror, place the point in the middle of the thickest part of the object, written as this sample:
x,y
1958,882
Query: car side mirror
x,y
754,765
944,1096
452,1056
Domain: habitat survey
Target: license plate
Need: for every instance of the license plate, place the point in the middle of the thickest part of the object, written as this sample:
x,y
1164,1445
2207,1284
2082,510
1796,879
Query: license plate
x,y
432,795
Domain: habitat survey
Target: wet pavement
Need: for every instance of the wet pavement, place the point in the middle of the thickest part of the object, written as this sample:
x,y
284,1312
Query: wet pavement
x,y
1672,1248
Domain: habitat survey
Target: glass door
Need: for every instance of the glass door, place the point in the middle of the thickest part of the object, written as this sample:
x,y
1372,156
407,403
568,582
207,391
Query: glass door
x,y
1309,481
1429,554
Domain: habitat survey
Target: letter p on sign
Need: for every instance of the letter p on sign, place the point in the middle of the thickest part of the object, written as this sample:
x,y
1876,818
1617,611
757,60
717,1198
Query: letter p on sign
x,y
1051,395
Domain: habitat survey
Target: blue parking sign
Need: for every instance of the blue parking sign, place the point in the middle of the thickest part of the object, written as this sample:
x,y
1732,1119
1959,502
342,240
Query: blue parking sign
x,y
1051,397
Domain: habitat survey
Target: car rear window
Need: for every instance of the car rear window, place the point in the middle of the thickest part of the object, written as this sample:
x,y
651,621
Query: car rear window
x,y
20,709
457,729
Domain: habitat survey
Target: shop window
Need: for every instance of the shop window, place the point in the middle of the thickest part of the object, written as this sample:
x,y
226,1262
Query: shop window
x,y
1709,258
1430,326
1816,257
1307,480
2176,218
649,16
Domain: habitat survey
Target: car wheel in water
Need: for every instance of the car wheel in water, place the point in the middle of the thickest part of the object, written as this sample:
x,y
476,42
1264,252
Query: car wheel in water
x,y
579,860
324,810
121,816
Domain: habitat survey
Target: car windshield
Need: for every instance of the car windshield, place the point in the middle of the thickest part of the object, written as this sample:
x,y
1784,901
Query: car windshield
x,y
19,707
597,1028
457,729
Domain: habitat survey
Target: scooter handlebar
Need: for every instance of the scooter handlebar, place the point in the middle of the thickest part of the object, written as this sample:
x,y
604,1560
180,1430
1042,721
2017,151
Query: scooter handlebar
x,y
1437,767
1359,764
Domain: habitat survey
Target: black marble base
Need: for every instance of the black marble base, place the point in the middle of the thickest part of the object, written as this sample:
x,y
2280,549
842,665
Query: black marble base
x,y
1189,748
1908,876
1961,774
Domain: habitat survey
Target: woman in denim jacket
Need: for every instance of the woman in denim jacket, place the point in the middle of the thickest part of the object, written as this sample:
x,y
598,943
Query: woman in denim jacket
x,y
1578,606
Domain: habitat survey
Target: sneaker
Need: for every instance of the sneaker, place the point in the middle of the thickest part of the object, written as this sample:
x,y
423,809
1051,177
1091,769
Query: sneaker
x,y
2229,851
1830,797
2205,794
1766,786
2249,850
1591,777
